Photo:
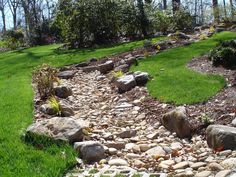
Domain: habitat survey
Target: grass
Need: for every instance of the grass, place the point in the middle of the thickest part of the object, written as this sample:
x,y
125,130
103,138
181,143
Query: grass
x,y
173,82
16,110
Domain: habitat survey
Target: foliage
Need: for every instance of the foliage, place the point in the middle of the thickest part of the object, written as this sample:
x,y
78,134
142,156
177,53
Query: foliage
x,y
163,21
117,74
182,20
14,39
203,37
206,120
224,54
53,102
212,29
44,77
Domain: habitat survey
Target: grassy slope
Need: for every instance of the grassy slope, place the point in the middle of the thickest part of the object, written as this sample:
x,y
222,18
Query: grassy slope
x,y
173,82
16,109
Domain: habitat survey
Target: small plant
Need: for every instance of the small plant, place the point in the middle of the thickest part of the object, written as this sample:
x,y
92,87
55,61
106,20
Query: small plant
x,y
158,47
44,78
52,101
203,37
117,74
212,29
146,53
206,120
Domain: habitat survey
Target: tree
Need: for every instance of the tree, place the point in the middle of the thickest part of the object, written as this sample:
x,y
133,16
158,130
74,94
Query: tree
x,y
142,17
164,4
216,10
3,4
176,5
13,6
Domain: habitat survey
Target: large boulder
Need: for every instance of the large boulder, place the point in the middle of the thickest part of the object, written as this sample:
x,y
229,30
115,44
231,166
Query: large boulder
x,y
63,91
66,109
66,74
106,67
141,78
90,151
125,83
221,137
177,121
57,128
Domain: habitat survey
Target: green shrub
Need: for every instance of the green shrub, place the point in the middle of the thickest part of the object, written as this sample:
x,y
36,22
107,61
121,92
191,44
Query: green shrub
x,y
44,77
14,39
224,54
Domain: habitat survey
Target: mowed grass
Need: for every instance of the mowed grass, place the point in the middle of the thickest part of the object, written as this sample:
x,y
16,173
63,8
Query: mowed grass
x,y
16,110
173,82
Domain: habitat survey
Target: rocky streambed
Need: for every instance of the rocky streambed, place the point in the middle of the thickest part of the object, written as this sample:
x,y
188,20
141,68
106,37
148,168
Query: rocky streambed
x,y
118,129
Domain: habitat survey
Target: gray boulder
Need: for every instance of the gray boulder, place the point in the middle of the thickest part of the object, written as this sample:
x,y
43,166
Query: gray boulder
x,y
47,109
66,109
177,121
90,151
57,128
124,68
62,91
220,136
66,74
141,78
127,134
106,67
125,83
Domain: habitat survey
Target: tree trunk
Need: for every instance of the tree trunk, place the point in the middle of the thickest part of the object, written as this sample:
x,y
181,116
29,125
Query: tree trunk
x,y
14,19
216,11
225,9
164,4
142,17
232,9
4,21
176,5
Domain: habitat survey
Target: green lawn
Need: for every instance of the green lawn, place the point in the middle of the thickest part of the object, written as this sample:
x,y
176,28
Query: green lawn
x,y
172,82
16,110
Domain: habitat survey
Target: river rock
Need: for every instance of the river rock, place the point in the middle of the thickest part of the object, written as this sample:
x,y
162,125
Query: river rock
x,y
125,83
220,136
118,162
58,128
156,152
63,91
48,109
177,121
90,151
127,134
106,67
66,74
66,109
141,78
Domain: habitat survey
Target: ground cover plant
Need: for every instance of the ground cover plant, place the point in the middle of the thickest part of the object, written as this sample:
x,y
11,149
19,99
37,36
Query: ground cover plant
x,y
173,82
16,109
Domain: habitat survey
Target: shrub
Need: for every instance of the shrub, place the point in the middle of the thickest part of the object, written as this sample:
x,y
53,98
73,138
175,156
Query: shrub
x,y
224,54
212,29
52,101
44,78
203,37
117,74
14,39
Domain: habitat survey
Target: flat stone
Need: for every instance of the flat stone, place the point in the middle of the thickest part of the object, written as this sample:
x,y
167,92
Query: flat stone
x,y
118,162
58,128
203,174
66,74
197,165
90,151
220,136
215,167
229,163
127,134
181,165
138,163
156,152
223,173
106,67
117,145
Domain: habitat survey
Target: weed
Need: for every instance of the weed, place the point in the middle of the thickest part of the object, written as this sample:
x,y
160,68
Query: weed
x,y
52,101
